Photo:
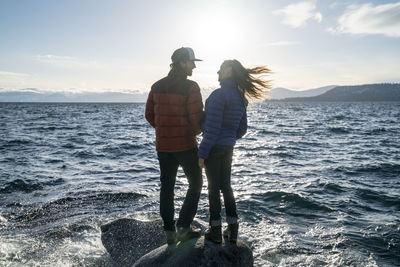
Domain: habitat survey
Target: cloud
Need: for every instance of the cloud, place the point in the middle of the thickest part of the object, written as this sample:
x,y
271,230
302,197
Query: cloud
x,y
297,15
7,77
370,19
12,74
282,43
69,62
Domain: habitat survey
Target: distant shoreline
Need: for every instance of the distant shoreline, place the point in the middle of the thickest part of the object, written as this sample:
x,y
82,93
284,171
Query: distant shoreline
x,y
354,93
326,101
88,102
264,102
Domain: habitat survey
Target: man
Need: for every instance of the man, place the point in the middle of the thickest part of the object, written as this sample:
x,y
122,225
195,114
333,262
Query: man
x,y
175,109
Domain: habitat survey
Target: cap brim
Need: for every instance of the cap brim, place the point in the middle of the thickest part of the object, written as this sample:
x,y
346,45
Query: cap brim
x,y
197,59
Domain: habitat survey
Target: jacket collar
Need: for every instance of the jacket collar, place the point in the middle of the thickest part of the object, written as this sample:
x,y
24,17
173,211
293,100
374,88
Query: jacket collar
x,y
228,83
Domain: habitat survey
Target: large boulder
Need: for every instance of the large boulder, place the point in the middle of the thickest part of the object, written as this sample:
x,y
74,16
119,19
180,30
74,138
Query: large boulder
x,y
199,252
126,240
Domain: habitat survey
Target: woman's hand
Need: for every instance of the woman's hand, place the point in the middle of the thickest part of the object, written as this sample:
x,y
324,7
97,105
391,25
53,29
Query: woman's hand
x,y
201,163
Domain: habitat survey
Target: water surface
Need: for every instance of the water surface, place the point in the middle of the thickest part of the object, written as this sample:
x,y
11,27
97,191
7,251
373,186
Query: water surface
x,y
316,184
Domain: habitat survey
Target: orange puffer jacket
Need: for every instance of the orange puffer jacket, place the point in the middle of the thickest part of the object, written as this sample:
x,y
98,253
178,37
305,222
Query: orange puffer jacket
x,y
175,109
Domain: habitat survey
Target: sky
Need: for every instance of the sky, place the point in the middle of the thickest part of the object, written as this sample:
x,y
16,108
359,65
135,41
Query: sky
x,y
126,45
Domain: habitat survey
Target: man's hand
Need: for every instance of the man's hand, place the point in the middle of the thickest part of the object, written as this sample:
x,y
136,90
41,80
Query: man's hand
x,y
201,163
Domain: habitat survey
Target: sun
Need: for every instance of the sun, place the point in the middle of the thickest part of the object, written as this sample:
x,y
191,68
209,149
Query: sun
x,y
218,33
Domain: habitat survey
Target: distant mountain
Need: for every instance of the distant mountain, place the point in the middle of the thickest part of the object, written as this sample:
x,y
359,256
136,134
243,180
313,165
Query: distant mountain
x,y
35,95
281,93
366,92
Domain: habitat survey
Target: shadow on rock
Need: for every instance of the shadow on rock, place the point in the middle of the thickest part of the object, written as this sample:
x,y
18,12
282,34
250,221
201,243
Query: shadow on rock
x,y
199,252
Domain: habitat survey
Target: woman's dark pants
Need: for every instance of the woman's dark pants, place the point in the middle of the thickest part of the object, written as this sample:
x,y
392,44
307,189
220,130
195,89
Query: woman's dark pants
x,y
169,163
218,170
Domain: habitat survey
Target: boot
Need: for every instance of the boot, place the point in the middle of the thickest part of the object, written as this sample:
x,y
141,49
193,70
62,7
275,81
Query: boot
x,y
214,234
171,237
231,232
186,233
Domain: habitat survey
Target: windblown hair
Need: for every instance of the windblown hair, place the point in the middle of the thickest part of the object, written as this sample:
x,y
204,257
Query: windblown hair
x,y
249,85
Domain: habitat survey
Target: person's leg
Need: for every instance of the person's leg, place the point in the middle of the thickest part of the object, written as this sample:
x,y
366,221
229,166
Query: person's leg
x,y
226,188
168,169
189,162
231,233
213,172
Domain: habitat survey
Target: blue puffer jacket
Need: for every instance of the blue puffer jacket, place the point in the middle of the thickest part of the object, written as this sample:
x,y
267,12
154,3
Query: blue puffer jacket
x,y
225,118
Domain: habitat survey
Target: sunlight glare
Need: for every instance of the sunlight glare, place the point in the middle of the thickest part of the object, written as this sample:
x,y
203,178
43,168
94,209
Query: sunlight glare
x,y
218,33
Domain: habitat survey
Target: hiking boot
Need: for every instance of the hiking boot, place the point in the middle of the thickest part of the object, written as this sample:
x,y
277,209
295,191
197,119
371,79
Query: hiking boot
x,y
171,237
186,233
214,234
231,232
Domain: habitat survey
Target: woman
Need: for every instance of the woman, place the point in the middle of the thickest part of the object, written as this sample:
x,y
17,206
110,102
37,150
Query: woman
x,y
225,121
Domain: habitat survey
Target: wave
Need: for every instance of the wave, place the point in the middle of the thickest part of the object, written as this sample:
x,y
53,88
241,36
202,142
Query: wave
x,y
382,240
76,203
76,140
335,188
28,186
86,154
122,149
88,196
339,129
18,142
325,187
71,146
282,155
54,128
67,231
139,169
387,169
53,161
380,198
339,117
291,201
267,132
376,131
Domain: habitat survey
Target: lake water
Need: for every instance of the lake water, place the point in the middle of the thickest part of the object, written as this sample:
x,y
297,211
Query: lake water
x,y
316,184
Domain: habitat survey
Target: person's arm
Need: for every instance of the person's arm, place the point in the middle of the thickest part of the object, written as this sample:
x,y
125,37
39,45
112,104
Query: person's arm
x,y
194,107
212,124
149,113
242,126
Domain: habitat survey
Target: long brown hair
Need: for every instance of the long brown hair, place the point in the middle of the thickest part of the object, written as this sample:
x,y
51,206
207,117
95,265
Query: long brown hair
x,y
250,86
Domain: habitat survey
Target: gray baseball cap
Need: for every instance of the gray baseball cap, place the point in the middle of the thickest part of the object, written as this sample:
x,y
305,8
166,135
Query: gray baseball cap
x,y
184,54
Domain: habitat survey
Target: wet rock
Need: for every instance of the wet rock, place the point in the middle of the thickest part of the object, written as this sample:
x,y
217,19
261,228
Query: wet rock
x,y
126,240
199,252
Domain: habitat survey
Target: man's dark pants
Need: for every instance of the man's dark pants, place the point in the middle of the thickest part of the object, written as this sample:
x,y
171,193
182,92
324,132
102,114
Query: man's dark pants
x,y
218,170
169,163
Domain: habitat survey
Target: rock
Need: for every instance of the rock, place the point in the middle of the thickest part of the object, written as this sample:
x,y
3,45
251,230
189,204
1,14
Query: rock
x,y
128,239
199,252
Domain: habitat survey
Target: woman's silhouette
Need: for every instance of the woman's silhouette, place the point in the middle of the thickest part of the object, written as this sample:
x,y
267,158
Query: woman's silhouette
x,y
225,122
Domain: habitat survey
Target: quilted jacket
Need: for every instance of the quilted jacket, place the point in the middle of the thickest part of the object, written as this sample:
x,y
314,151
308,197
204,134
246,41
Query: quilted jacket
x,y
225,118
175,109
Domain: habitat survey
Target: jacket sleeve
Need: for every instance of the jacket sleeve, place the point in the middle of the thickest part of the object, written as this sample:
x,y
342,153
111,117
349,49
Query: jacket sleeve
x,y
212,123
194,107
242,126
149,113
